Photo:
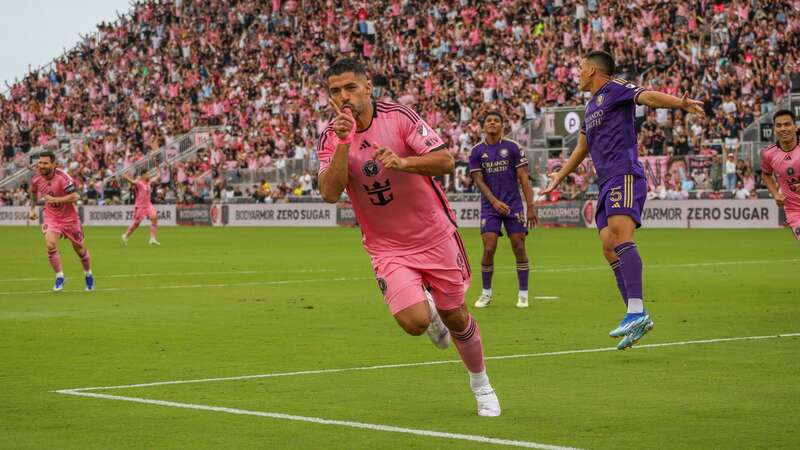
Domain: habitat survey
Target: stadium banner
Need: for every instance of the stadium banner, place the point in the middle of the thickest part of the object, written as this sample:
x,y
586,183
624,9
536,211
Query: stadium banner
x,y
761,213
346,216
282,215
560,214
17,216
122,215
193,215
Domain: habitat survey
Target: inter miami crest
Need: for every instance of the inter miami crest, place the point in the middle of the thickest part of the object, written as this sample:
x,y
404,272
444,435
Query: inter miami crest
x,y
422,131
370,168
460,261
382,285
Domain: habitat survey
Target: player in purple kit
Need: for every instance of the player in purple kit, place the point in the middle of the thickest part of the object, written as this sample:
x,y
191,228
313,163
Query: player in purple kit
x,y
499,168
609,134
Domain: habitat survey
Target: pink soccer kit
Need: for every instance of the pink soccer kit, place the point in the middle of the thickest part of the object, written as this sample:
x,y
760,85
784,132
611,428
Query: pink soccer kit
x,y
143,208
407,225
59,218
786,167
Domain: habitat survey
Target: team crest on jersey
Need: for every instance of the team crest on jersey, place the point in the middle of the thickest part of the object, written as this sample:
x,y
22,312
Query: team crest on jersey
x,y
422,131
382,285
370,168
504,153
484,156
460,261
790,171
600,99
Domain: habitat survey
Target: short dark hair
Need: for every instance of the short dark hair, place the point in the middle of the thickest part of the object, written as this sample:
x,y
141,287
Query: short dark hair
x,y
345,65
603,60
493,113
784,112
48,154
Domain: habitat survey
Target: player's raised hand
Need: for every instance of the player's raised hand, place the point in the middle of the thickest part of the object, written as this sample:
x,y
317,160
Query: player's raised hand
x,y
555,180
501,207
344,125
692,106
389,159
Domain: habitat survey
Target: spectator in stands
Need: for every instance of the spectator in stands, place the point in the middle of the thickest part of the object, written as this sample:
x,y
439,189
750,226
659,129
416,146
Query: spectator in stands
x,y
740,193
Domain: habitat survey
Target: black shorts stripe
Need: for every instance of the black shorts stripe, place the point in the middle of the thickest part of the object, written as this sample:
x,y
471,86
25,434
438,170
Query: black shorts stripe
x,y
463,253
443,202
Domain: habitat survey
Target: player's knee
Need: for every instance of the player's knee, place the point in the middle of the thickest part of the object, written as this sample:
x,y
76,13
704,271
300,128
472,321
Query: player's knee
x,y
51,246
415,327
455,319
489,250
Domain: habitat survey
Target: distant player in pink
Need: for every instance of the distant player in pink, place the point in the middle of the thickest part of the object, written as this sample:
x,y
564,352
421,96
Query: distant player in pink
x,y
385,155
60,219
782,161
143,209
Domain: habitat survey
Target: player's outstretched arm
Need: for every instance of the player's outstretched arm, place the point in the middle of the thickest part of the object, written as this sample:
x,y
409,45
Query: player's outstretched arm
x,y
655,99
773,189
431,164
577,157
128,178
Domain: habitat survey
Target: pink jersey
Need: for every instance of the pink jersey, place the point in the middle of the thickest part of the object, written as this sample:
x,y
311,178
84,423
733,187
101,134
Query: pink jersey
x,y
142,194
58,185
400,213
786,167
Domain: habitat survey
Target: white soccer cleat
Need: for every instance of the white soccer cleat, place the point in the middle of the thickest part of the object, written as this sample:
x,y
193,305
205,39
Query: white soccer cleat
x,y
437,331
124,239
483,301
488,403
522,301
153,241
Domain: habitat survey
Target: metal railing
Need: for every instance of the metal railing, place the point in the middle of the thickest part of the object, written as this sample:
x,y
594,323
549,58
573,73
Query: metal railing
x,y
21,172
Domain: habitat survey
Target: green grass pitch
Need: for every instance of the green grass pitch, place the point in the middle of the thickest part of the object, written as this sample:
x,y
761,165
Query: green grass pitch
x,y
217,302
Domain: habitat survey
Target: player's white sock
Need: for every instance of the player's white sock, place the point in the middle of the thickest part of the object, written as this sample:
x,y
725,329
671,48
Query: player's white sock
x,y
487,292
87,272
478,380
60,275
523,294
635,306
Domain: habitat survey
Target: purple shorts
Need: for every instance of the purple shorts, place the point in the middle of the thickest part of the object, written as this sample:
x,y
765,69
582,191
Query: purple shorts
x,y
621,195
515,222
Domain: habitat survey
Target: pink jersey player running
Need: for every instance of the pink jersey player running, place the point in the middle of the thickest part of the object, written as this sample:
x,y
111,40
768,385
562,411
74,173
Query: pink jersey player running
x,y
61,218
143,208
384,154
782,160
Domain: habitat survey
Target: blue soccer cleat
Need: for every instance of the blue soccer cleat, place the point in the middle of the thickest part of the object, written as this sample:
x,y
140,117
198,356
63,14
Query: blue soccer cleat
x,y
59,284
89,282
629,323
633,337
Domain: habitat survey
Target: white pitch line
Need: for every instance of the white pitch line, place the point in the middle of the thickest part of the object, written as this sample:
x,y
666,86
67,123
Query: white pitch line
x,y
321,421
427,363
197,286
267,283
546,297
183,274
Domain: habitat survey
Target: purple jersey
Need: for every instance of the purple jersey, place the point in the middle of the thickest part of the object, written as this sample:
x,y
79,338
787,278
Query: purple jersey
x,y
498,163
610,129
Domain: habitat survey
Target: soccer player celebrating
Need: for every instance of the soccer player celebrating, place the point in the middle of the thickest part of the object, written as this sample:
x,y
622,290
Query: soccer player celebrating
x,y
61,219
144,208
499,168
385,155
782,161
609,134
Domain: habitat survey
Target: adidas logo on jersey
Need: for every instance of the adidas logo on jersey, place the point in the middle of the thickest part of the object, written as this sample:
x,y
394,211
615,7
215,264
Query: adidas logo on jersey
x,y
788,158
364,145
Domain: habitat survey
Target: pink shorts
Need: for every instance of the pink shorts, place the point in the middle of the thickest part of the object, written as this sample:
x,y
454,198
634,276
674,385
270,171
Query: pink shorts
x,y
71,231
443,269
141,213
793,219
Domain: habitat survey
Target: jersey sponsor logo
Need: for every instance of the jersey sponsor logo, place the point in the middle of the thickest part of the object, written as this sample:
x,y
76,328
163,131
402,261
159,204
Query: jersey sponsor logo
x,y
504,153
382,285
379,193
370,168
422,131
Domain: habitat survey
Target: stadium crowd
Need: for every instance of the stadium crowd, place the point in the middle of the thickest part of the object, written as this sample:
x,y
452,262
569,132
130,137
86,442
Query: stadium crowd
x,y
255,68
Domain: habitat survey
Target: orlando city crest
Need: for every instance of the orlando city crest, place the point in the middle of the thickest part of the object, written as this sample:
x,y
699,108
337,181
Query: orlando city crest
x,y
370,168
600,99
504,153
